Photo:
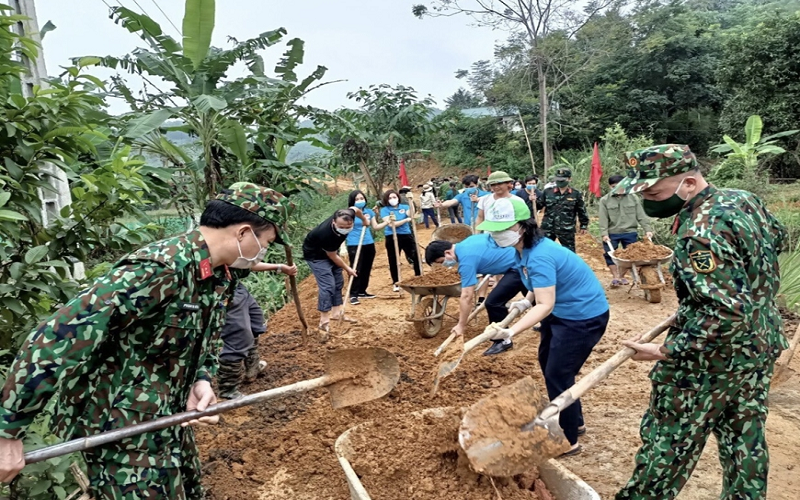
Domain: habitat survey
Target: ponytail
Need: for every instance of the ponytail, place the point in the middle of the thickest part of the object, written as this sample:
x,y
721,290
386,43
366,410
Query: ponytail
x,y
531,233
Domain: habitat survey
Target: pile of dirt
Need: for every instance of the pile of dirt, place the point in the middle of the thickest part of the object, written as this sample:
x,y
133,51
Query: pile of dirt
x,y
439,276
417,457
643,250
452,233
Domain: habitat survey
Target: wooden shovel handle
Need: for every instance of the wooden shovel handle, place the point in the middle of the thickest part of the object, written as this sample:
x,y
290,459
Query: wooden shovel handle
x,y
599,374
295,294
350,281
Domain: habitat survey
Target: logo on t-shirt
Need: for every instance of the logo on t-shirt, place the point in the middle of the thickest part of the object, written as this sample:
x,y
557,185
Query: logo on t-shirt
x,y
402,211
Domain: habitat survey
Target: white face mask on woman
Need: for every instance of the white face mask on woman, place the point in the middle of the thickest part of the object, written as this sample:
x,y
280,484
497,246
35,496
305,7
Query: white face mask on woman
x,y
394,202
243,262
507,238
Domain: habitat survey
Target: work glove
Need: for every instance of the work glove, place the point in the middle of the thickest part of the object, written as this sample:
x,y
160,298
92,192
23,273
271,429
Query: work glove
x,y
504,334
523,305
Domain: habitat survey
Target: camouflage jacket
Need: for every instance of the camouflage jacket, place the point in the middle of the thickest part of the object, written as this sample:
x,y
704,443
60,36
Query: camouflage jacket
x,y
726,277
126,350
561,209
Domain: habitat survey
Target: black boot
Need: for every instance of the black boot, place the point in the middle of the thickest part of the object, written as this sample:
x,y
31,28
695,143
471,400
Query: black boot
x,y
497,347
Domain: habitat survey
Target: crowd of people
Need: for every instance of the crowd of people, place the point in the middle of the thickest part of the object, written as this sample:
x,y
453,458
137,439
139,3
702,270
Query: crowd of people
x,y
142,340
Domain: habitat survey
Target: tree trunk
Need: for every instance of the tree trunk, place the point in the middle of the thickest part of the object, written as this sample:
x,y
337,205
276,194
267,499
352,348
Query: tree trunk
x,y
544,108
368,178
527,141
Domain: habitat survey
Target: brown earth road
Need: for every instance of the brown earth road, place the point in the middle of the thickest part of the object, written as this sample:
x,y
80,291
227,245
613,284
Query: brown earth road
x,y
284,449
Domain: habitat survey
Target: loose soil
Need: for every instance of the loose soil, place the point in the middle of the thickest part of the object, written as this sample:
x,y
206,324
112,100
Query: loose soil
x,y
284,449
643,250
438,276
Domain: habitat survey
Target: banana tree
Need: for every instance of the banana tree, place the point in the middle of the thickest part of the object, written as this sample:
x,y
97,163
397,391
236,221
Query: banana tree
x,y
747,153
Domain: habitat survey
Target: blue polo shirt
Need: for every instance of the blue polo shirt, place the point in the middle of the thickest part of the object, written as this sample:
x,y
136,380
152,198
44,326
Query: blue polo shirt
x,y
400,212
479,254
355,234
466,203
579,294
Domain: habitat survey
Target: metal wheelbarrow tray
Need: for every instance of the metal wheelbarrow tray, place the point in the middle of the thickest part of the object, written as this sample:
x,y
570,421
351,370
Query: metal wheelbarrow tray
x,y
432,299
646,273
562,483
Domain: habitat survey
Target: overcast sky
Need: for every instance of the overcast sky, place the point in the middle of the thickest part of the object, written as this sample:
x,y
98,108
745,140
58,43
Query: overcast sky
x,y
361,41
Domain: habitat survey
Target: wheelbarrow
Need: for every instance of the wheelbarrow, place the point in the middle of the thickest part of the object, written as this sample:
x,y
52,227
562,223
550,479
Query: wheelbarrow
x,y
647,274
429,306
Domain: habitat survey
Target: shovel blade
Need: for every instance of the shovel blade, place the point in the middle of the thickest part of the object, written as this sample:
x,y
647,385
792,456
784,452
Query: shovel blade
x,y
491,432
361,375
452,357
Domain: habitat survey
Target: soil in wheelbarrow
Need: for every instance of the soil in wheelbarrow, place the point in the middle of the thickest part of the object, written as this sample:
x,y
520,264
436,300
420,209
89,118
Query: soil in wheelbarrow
x,y
439,276
643,251
417,457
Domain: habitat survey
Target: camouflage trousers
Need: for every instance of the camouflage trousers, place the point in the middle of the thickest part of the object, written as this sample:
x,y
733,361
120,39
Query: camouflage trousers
x,y
675,429
232,372
116,481
566,238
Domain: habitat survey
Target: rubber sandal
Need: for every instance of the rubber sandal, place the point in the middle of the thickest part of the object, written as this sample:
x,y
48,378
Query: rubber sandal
x,y
625,282
572,452
346,319
615,283
324,332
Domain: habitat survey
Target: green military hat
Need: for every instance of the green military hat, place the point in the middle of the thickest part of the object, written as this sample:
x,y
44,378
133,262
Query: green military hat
x,y
649,165
563,174
268,204
498,177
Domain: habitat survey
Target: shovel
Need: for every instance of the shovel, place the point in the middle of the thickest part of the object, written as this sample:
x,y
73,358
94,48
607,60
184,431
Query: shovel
x,y
472,316
496,437
448,366
352,376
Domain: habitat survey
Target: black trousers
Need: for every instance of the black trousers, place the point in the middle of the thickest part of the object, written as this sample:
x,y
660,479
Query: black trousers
x,y
505,290
364,268
409,247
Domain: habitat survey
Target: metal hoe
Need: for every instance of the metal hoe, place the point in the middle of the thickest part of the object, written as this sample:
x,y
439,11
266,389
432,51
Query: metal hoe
x,y
352,376
492,457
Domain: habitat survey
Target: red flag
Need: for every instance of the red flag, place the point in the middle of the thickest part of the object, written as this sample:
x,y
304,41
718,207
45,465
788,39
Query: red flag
x,y
403,177
597,173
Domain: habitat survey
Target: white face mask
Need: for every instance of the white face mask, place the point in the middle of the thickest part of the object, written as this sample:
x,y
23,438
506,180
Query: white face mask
x,y
507,238
394,202
343,231
243,262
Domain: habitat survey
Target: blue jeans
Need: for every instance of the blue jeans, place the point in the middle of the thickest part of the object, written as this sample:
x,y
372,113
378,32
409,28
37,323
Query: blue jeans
x,y
428,212
624,239
330,283
454,215
564,348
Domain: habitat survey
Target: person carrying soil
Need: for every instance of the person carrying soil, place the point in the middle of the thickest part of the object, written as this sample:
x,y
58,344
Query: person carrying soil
x,y
428,201
367,257
239,358
468,199
396,214
715,365
477,254
321,253
142,342
621,214
570,304
562,204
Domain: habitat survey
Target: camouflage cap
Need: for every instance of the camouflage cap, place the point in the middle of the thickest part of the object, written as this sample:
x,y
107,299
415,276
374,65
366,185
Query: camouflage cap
x,y
268,204
563,174
649,165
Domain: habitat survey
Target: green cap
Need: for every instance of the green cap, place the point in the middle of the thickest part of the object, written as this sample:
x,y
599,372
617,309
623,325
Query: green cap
x,y
649,165
268,204
563,174
498,178
504,213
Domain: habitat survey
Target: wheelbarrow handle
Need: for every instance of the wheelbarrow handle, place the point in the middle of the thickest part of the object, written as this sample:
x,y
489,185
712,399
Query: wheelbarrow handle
x,y
102,438
597,375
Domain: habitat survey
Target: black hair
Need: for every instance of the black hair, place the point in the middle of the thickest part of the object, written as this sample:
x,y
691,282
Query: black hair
x,y
345,214
470,179
351,199
404,190
532,234
452,184
420,185
220,214
532,178
615,179
385,197
435,250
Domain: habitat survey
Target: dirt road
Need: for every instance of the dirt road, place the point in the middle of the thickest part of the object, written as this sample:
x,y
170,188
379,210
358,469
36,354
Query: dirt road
x,y
284,449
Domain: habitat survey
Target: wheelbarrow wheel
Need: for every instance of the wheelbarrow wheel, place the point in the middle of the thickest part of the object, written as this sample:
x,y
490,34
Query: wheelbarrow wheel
x,y
430,327
649,276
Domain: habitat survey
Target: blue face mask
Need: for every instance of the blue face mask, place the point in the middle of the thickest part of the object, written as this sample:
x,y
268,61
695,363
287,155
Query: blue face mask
x,y
450,263
471,191
361,204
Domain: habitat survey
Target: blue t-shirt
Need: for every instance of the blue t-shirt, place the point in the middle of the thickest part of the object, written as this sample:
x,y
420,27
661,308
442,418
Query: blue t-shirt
x,y
400,212
479,254
355,234
579,294
466,203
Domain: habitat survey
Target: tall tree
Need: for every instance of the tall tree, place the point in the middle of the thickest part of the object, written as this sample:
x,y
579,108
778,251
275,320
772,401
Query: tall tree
x,y
462,99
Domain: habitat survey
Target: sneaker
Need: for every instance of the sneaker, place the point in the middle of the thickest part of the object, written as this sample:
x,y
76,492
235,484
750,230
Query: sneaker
x,y
233,394
480,300
395,288
366,295
354,301
498,347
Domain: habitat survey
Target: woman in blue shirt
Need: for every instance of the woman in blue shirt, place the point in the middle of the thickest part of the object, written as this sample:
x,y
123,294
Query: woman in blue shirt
x,y
361,282
570,304
396,214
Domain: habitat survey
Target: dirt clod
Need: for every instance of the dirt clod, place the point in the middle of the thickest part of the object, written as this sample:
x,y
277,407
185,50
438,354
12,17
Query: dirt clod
x,y
439,276
643,250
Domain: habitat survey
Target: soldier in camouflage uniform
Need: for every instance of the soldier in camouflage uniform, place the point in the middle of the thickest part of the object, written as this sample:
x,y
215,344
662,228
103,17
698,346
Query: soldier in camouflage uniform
x,y
715,366
139,344
562,204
